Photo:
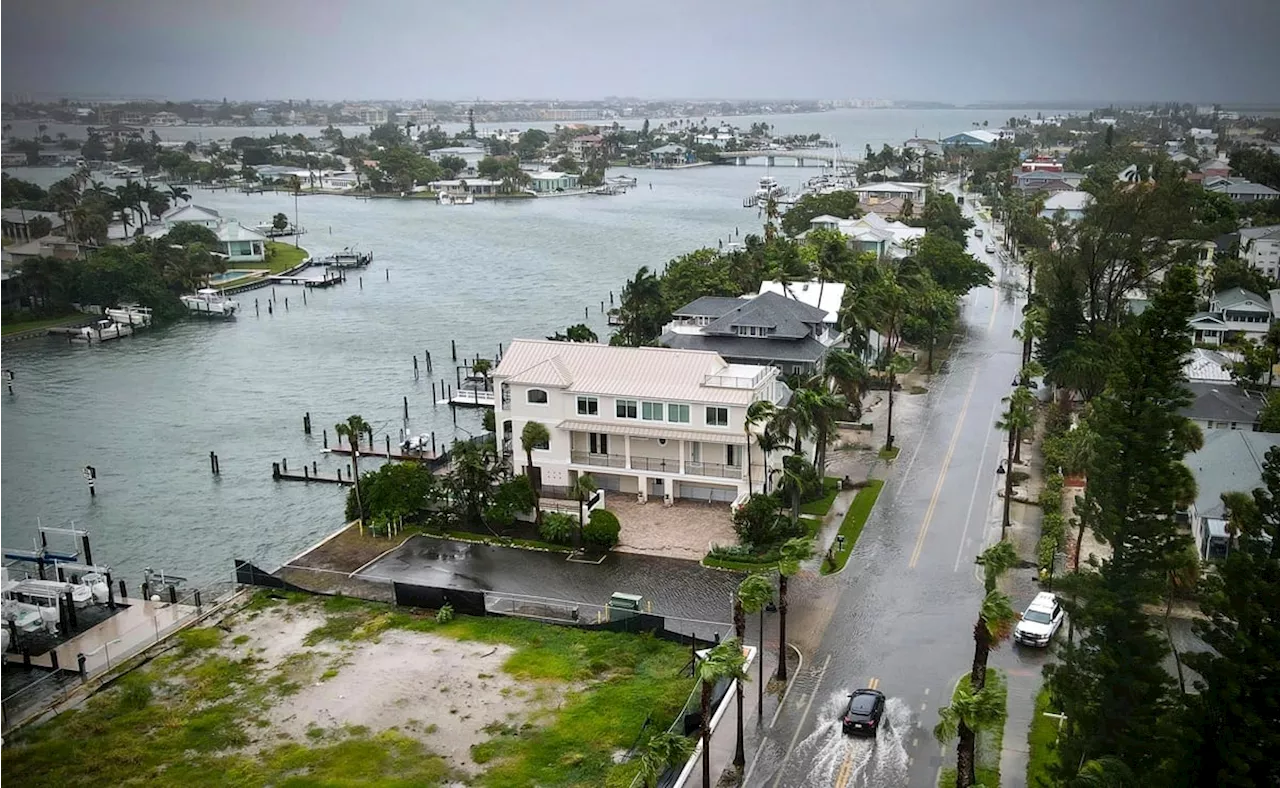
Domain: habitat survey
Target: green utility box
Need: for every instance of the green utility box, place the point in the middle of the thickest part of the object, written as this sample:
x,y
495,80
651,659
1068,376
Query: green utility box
x,y
624,606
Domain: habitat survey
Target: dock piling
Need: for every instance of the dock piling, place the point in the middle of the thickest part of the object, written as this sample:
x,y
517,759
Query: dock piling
x,y
284,464
304,296
270,309
428,356
306,422
314,468
388,274
213,463
361,282
453,348
388,437
286,303
601,306
433,444
273,294
406,408
610,298
173,595
586,313
197,599
306,472
415,367
256,313
433,393
275,474
123,591
81,659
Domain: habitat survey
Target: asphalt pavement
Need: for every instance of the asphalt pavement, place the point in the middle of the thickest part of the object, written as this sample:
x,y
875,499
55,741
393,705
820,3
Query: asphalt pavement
x,y
900,618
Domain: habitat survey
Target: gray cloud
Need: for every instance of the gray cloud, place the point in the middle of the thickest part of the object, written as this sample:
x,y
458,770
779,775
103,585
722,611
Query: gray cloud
x,y
979,50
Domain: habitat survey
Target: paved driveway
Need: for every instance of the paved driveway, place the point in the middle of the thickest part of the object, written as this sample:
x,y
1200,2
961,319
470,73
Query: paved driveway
x,y
687,529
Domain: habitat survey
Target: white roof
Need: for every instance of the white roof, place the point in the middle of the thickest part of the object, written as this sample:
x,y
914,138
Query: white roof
x,y
979,134
832,295
552,175
234,231
190,213
826,218
890,187
646,372
1068,201
468,181
1209,366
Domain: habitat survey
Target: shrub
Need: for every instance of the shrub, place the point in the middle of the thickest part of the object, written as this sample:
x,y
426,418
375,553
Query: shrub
x,y
557,528
758,522
1019,477
602,529
445,614
1050,499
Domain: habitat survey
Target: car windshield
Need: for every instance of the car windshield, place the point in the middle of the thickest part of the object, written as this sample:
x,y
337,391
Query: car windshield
x,y
862,704
1037,616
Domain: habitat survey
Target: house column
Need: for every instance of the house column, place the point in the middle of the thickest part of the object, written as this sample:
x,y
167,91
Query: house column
x,y
644,488
626,450
682,450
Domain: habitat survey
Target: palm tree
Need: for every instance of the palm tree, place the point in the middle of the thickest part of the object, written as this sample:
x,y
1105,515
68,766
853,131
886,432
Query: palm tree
x,y
769,442
754,594
722,661
793,553
178,194
583,488
848,375
758,412
996,617
352,429
1017,417
827,410
969,710
889,304
482,367
663,751
1105,772
533,435
795,472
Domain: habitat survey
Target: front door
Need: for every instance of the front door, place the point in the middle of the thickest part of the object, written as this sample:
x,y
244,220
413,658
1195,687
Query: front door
x,y
535,476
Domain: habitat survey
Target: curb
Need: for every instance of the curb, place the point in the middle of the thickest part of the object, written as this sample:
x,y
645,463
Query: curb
x,y
847,560
790,683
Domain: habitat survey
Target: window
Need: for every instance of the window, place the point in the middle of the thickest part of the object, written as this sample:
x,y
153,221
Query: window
x,y
599,443
678,413
626,408
536,397
651,411
717,417
730,455
588,406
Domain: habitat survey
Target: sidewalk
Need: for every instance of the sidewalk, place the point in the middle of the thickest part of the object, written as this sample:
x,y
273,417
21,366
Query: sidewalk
x,y
724,734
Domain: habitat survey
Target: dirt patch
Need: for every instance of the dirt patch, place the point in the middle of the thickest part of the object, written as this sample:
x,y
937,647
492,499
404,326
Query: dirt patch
x,y
448,694
348,551
687,529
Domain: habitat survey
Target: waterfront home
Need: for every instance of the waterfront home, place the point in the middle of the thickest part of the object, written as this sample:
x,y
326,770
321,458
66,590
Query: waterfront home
x,y
650,422
873,233
889,190
925,147
1240,190
16,222
49,246
1071,203
118,131
13,159
768,329
586,147
1260,248
546,182
237,243
167,119
1229,461
1033,181
481,187
339,181
471,156
671,156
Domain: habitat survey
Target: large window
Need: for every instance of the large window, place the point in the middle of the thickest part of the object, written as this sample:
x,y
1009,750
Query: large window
x,y
678,413
536,397
588,406
717,417
626,408
651,411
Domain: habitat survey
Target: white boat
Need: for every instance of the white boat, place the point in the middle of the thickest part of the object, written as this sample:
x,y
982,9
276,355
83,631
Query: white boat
x,y
769,187
446,198
270,230
347,258
25,616
102,331
621,180
126,172
208,301
130,314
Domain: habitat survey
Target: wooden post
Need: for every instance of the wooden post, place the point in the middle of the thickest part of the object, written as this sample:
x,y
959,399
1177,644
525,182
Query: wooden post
x,y
433,445
325,433
286,303
314,469
610,298
361,279
388,274
406,408
428,352
284,464
306,472
275,470
304,296
453,347
586,313
256,313
388,447
270,309
415,367
213,464
273,294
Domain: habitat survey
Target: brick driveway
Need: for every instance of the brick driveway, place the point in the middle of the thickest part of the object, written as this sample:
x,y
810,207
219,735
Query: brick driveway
x,y
687,529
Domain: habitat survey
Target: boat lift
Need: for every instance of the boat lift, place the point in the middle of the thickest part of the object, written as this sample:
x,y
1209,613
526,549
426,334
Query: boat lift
x,y
41,555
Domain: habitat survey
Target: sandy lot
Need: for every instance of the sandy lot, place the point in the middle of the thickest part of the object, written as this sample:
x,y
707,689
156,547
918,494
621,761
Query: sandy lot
x,y
439,690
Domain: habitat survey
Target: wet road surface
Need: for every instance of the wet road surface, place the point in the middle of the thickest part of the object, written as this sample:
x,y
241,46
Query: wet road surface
x,y
905,607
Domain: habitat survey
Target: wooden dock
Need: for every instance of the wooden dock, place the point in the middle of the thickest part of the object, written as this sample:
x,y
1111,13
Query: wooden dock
x,y
468,398
308,475
307,281
396,453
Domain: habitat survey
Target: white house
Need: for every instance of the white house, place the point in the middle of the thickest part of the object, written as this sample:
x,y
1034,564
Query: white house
x,y
238,244
873,233
1260,248
339,181
651,422
546,182
474,186
1240,189
1236,312
1072,203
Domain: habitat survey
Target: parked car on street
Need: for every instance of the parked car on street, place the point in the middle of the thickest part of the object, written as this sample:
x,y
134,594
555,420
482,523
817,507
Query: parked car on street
x,y
991,248
1040,621
862,716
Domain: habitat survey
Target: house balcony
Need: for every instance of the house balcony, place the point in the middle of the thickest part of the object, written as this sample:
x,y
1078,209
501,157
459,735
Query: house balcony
x,y
599,460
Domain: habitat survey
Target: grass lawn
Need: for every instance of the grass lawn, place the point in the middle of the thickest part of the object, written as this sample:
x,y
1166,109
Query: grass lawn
x,y
282,257
990,739
854,520
1041,741
201,713
889,454
15,326
820,507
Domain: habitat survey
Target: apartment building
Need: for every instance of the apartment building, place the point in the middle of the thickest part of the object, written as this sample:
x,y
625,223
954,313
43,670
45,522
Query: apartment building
x,y
651,422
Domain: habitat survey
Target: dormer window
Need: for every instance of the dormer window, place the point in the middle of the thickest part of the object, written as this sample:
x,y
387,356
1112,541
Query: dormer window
x,y
753,331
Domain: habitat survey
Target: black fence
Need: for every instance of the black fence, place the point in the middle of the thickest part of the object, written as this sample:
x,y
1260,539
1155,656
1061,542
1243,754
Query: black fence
x,y
250,575
470,603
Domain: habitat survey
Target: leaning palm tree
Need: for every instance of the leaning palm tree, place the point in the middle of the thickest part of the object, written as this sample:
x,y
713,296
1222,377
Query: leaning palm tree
x,y
1017,417
758,412
533,435
793,553
178,194
352,429
753,595
968,711
769,442
846,372
583,488
663,751
482,367
722,661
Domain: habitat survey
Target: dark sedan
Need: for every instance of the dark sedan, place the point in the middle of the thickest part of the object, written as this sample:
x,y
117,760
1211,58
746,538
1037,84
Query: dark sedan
x,y
862,717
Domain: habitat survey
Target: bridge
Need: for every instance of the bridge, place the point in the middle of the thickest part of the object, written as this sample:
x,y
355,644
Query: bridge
x,y
802,158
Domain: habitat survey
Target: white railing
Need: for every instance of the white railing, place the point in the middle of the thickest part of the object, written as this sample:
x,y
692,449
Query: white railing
x,y
735,381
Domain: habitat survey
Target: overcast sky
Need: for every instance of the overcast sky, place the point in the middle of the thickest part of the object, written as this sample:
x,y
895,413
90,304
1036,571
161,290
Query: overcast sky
x,y
957,51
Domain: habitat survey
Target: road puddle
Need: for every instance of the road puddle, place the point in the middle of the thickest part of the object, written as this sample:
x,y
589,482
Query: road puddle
x,y
840,761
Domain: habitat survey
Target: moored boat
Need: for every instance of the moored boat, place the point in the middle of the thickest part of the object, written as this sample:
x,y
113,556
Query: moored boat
x,y
129,314
207,301
101,331
347,258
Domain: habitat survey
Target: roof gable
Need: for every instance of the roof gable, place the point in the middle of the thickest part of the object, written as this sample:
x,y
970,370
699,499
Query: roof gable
x,y
784,317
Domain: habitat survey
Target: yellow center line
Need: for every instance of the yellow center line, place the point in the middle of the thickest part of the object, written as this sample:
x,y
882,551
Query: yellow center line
x,y
942,475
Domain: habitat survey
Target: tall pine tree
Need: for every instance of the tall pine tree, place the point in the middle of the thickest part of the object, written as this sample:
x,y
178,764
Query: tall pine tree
x,y
1117,696
1235,717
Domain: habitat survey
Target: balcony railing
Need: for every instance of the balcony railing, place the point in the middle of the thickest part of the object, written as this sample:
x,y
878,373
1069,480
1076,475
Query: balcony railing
x,y
713,469
602,460
662,464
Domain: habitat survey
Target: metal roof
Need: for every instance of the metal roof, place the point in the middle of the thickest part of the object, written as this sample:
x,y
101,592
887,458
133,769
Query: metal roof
x,y
643,372
1230,461
1222,402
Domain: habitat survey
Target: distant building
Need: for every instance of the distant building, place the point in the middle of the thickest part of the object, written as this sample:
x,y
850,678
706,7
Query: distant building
x,y
1240,190
167,119
372,116
1234,313
872,233
238,244
1071,203
894,190
1260,248
546,182
570,114
585,147
1041,164
671,156
972,139
1036,181
1229,461
418,117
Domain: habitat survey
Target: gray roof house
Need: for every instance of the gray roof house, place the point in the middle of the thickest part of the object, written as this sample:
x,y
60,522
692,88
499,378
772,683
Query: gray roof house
x,y
1222,406
1229,461
1240,189
767,329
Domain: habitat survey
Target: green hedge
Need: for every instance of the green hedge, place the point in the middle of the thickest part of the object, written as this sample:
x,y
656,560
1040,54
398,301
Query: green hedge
x,y
602,529
851,526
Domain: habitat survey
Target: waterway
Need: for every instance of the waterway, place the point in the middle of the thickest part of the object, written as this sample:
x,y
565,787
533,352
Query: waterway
x,y
146,411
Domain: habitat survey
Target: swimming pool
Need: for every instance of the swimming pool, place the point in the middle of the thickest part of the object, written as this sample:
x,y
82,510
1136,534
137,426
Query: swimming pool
x,y
232,274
